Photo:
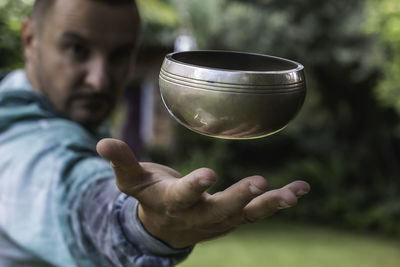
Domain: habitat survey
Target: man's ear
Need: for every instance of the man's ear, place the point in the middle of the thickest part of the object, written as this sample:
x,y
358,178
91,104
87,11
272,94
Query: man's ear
x,y
29,38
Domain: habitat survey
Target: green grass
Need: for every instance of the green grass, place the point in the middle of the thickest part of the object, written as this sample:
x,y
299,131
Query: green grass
x,y
282,245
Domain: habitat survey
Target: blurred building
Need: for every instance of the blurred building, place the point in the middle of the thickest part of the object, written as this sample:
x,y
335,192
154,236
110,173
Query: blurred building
x,y
147,123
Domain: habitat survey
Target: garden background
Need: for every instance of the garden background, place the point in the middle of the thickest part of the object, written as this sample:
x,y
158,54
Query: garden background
x,y
345,142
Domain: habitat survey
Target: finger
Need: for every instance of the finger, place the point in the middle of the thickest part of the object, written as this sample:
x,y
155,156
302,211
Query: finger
x,y
236,197
161,169
188,190
123,161
274,200
299,188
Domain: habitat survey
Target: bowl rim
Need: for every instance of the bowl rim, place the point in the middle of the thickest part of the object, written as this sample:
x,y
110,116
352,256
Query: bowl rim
x,y
214,76
299,67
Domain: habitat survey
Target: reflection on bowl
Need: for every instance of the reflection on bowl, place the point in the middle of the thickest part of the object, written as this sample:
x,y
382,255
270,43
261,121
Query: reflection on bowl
x,y
232,95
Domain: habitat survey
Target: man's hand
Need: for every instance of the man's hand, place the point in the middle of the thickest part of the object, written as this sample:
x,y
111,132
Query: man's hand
x,y
178,211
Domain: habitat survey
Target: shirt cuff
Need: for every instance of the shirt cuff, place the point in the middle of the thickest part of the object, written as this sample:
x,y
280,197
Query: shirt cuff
x,y
138,235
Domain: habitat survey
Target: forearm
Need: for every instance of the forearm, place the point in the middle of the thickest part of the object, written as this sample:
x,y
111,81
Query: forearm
x,y
110,223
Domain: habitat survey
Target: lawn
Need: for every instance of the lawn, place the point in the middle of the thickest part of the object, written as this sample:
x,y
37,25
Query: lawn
x,y
279,244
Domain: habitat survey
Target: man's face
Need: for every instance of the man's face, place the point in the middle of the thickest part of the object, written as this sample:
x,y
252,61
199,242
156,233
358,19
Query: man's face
x,y
81,55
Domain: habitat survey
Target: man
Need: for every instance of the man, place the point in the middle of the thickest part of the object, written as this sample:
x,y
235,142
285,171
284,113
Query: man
x,y
59,205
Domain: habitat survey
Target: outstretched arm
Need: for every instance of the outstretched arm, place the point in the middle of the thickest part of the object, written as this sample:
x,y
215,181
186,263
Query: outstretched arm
x,y
178,211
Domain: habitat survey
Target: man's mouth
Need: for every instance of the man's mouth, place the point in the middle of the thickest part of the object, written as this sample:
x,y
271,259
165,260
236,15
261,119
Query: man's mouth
x,y
93,103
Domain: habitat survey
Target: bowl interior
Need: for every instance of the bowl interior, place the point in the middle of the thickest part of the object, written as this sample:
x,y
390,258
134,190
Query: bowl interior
x,y
227,60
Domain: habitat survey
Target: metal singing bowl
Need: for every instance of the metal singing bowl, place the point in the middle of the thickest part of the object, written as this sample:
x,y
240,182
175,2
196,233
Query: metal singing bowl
x,y
232,95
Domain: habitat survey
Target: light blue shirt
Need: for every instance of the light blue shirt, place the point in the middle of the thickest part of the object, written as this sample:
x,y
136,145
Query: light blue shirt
x,y
58,202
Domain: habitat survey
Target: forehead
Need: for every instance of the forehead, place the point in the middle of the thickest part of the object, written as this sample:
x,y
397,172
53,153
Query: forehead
x,y
96,21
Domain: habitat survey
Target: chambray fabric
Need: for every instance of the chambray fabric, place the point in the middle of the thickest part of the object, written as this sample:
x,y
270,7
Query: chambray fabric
x,y
59,205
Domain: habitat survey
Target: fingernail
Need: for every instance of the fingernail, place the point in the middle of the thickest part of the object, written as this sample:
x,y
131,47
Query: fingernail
x,y
283,205
254,190
301,192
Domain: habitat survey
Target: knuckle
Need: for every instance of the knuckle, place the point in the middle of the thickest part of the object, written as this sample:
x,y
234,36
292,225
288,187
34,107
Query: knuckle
x,y
179,203
289,197
179,200
175,206
244,194
247,219
191,185
171,212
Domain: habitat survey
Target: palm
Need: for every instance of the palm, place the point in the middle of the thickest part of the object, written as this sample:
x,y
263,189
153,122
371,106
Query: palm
x,y
177,209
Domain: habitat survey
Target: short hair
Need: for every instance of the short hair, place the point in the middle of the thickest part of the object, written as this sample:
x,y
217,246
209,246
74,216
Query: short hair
x,y
40,7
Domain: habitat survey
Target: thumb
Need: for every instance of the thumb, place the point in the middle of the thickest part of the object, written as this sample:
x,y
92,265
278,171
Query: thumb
x,y
126,168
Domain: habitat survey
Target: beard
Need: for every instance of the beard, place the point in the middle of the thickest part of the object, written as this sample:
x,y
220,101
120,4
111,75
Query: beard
x,y
89,109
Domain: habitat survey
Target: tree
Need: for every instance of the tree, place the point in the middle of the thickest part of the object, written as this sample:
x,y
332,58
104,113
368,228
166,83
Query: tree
x,y
384,22
344,141
11,13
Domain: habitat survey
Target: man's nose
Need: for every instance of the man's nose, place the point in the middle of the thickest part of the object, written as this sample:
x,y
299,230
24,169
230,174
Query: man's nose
x,y
97,76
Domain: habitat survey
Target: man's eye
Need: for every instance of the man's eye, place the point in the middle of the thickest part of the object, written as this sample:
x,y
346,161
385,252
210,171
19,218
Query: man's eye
x,y
79,52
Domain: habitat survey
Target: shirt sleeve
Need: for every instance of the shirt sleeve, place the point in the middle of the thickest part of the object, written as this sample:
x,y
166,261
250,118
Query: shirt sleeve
x,y
111,225
99,223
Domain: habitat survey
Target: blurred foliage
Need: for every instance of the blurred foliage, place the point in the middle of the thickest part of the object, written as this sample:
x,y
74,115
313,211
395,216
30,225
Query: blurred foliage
x,y
384,21
344,141
159,21
11,12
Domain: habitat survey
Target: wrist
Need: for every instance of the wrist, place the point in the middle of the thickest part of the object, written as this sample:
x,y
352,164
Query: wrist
x,y
160,229
138,236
